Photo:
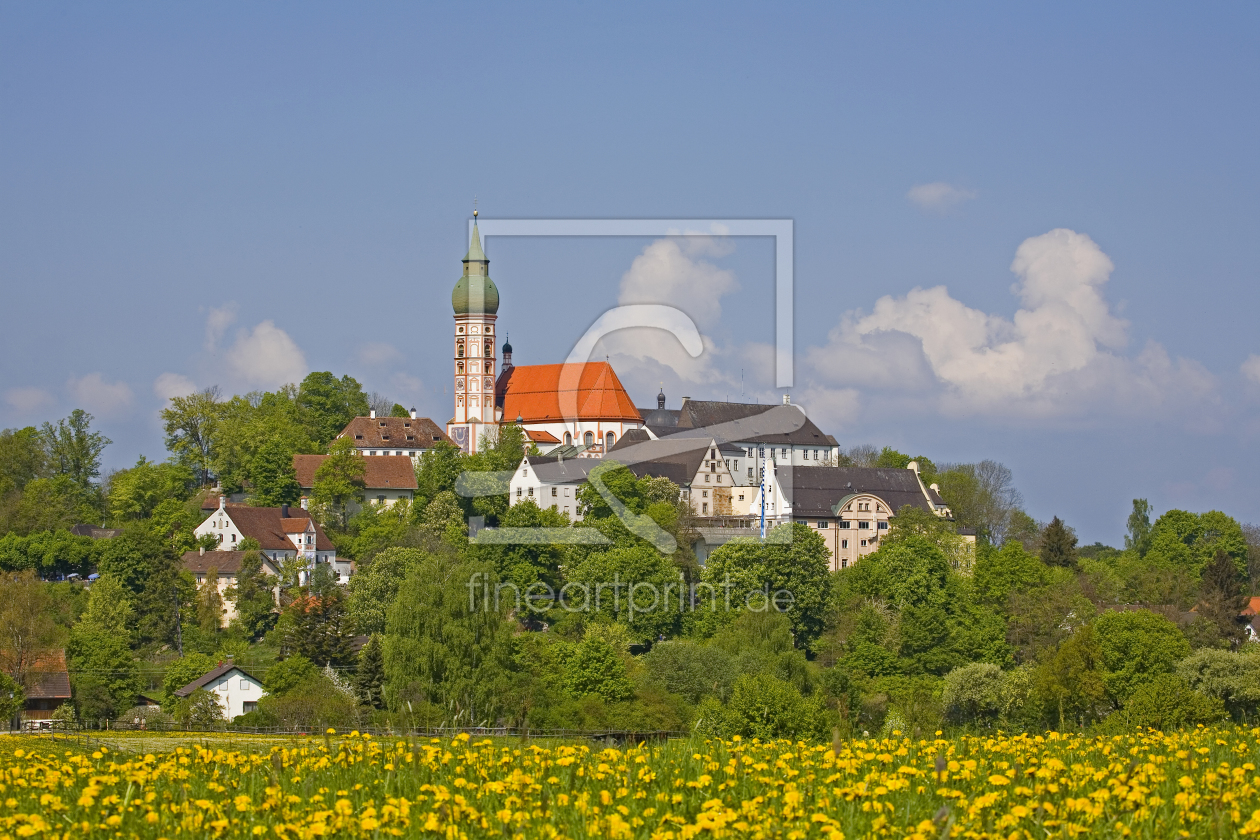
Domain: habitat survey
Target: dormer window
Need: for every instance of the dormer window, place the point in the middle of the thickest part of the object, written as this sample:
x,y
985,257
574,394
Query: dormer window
x,y
358,437
406,425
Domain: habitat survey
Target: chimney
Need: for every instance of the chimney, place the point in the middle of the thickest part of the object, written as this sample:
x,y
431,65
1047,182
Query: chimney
x,y
284,511
660,399
305,501
684,402
222,502
203,551
413,412
787,399
372,413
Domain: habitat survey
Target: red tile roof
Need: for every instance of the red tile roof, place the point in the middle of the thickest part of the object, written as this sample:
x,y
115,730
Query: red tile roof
x,y
538,393
49,678
384,472
268,527
541,436
398,434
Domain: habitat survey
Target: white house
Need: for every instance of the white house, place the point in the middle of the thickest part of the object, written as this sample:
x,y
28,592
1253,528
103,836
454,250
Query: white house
x,y
749,434
238,692
551,482
386,479
395,436
281,532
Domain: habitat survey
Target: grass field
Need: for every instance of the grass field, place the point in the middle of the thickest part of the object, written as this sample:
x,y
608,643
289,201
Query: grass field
x,y
1198,783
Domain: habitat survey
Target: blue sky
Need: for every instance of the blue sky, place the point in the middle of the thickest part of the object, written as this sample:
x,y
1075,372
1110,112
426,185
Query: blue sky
x,y
235,194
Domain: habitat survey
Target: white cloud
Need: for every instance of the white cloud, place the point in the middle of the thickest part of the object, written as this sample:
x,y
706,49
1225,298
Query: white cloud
x,y
28,400
939,196
217,323
1251,368
93,393
376,353
669,272
265,357
1056,356
168,386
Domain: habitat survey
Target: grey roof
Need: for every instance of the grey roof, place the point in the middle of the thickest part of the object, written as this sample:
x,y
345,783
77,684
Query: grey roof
x,y
677,457
816,491
743,422
665,419
207,678
566,471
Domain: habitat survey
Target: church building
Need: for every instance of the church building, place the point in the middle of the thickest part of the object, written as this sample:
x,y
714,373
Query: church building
x,y
583,408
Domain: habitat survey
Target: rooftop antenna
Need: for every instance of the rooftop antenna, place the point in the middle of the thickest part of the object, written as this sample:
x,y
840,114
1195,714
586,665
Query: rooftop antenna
x,y
741,383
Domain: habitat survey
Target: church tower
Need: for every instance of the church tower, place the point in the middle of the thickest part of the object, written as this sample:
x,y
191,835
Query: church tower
x,y
476,303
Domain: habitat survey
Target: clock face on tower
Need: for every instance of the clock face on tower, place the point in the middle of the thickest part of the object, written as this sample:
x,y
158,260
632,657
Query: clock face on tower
x,y
459,383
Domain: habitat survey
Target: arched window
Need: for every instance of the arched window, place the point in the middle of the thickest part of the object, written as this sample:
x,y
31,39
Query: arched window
x,y
489,351
459,368
568,439
589,438
459,351
609,440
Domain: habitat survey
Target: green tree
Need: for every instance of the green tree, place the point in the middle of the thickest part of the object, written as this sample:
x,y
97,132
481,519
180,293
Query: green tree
x,y
369,677
446,646
328,404
190,423
1000,572
766,707
793,562
1058,545
200,710
182,671
1138,527
99,660
27,632
1189,541
338,483
691,670
906,572
974,694
628,584
595,668
375,588
246,425
1135,647
52,504
1070,680
317,628
23,458
981,496
253,595
289,673
74,450
437,472
12,697
146,564
135,493
1230,677
210,603
1222,597
108,609
272,474
1166,702
399,411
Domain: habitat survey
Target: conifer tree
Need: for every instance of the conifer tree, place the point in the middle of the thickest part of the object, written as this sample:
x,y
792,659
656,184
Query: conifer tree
x,y
1058,545
1222,597
369,680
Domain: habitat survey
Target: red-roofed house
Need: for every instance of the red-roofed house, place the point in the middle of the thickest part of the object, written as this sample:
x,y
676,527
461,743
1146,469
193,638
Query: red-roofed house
x,y
282,532
49,687
386,478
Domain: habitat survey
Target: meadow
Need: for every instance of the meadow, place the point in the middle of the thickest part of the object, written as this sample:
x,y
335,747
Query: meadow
x,y
1196,783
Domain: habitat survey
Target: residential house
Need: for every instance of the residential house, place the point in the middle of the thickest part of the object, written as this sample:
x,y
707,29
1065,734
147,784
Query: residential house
x,y
695,463
551,482
238,693
282,532
386,479
226,565
750,434
396,437
849,507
